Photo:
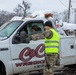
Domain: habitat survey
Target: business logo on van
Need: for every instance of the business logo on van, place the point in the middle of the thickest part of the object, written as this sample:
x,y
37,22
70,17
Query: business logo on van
x,y
27,53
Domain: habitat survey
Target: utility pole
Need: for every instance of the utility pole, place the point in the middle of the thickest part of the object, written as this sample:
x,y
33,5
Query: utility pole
x,y
69,10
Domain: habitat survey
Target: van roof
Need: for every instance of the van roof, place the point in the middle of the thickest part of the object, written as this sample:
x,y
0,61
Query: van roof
x,y
25,19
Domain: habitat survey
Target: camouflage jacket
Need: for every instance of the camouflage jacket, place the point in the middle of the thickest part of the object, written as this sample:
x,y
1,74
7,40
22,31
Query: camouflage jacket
x,y
46,34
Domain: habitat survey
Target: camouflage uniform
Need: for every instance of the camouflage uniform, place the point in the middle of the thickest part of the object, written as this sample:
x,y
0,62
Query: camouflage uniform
x,y
47,34
37,36
50,63
50,58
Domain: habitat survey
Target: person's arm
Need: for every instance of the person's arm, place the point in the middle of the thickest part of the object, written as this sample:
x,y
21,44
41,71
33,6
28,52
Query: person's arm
x,y
37,36
48,34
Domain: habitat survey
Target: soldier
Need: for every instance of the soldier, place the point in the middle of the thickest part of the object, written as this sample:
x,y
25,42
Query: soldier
x,y
51,48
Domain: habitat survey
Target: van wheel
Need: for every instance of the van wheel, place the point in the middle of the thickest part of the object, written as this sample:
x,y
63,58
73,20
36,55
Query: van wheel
x,y
2,69
41,71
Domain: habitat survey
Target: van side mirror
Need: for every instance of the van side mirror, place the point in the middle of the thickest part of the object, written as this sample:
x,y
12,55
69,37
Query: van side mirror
x,y
16,39
21,38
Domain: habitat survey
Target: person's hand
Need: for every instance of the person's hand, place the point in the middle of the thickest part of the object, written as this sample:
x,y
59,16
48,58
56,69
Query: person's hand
x,y
35,37
48,34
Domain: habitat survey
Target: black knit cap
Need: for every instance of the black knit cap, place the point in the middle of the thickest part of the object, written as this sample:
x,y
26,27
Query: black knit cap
x,y
48,23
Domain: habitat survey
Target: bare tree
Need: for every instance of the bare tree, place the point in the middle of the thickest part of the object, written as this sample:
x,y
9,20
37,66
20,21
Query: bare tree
x,y
22,9
5,16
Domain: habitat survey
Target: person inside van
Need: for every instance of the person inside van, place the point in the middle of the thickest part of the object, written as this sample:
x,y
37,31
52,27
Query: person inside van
x,y
35,28
35,33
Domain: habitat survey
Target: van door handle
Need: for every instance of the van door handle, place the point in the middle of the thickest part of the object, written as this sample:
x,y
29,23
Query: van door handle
x,y
72,46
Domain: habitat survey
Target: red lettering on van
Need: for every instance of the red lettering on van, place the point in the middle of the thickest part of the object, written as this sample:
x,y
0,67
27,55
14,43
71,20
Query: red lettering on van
x,y
27,53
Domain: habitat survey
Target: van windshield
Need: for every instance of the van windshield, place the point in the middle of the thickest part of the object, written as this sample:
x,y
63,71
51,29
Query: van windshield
x,y
9,28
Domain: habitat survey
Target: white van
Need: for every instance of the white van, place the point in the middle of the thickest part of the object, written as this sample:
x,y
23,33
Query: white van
x,y
18,52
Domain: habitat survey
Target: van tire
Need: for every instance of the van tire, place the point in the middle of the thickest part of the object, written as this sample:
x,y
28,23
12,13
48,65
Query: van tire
x,y
41,71
2,69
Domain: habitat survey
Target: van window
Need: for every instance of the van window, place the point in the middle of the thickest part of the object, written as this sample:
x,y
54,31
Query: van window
x,y
34,28
28,29
9,28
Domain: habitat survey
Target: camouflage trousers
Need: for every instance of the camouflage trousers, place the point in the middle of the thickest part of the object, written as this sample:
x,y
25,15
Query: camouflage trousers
x,y
50,63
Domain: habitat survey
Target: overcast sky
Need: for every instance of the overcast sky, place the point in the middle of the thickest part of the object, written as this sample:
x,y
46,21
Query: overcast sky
x,y
53,5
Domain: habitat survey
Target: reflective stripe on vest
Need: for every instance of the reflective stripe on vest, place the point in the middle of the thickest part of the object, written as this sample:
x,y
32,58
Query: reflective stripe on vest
x,y
52,44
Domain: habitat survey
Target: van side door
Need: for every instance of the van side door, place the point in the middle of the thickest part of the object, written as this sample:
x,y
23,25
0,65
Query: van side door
x,y
27,54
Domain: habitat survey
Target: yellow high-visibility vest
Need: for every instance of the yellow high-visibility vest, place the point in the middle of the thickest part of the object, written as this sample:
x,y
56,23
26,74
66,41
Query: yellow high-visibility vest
x,y
52,44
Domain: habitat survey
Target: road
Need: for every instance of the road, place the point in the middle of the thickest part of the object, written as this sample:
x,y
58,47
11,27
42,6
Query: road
x,y
61,71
